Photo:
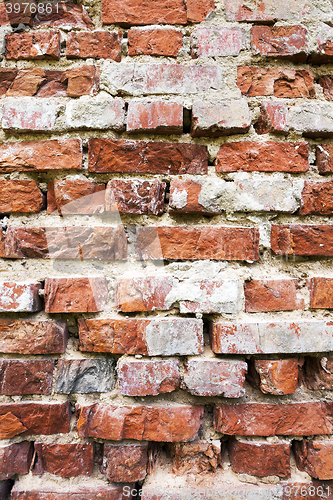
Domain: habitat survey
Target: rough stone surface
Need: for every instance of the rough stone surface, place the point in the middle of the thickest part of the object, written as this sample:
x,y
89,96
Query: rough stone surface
x,y
216,42
96,44
135,196
265,419
154,41
160,337
109,155
302,239
213,377
148,377
158,117
20,297
20,196
318,373
85,375
75,196
65,460
150,423
32,337
272,295
15,459
268,337
193,243
275,376
26,376
229,117
315,458
125,463
96,114
280,41
196,458
36,45
25,115
260,458
75,294
263,157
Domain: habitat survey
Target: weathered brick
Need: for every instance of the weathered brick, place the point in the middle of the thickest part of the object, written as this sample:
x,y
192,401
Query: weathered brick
x,y
75,295
24,376
125,463
302,239
194,243
154,41
267,337
248,193
148,377
32,337
280,41
7,76
10,426
53,86
216,42
154,337
65,460
110,155
263,157
324,154
96,114
285,10
274,376
195,458
324,51
83,80
150,423
273,118
5,486
229,117
143,293
59,154
24,115
15,459
317,198
140,13
158,117
198,10
312,119
326,83
260,458
20,196
35,45
272,295
318,373
27,82
96,44
321,293
266,419
135,196
66,16
144,79
254,81
73,242
43,490
315,457
22,13
215,377
75,196
38,418
20,297
85,375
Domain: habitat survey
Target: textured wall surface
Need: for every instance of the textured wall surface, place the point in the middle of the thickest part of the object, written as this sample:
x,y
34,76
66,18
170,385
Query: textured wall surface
x,y
166,246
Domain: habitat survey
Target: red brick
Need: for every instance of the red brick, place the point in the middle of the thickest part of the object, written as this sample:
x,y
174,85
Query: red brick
x,y
32,337
91,492
132,12
53,87
318,373
39,418
198,10
35,45
20,196
229,117
142,293
154,41
160,337
273,118
317,198
10,426
274,376
60,154
217,42
324,153
20,297
192,204
65,460
272,295
15,459
22,115
315,458
24,376
196,458
64,295
74,242
27,82
263,157
327,84
135,196
254,81
125,463
148,377
7,76
265,419
83,80
149,423
325,47
194,243
158,117
110,155
215,377
280,41
259,458
96,44
302,239
265,10
75,196
64,15
23,15
321,293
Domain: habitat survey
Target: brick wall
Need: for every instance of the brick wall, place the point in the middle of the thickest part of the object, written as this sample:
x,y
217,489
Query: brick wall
x,y
166,248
